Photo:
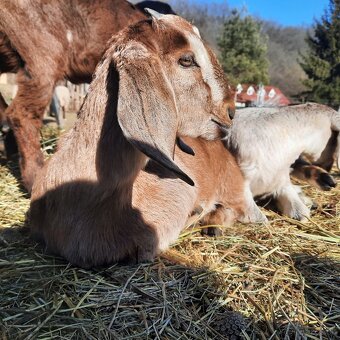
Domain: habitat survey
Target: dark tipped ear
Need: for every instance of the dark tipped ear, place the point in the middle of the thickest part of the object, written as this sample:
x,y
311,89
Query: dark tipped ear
x,y
184,147
147,112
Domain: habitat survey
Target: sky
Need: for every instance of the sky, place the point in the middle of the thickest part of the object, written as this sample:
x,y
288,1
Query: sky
x,y
285,12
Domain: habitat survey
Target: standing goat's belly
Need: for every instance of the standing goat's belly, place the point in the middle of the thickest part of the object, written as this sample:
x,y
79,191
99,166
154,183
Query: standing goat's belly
x,y
265,177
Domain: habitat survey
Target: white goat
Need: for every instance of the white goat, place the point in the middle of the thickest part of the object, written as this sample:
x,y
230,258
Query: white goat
x,y
64,97
267,141
92,202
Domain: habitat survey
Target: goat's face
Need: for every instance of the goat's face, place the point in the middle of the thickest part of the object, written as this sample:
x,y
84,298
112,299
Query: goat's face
x,y
170,85
202,92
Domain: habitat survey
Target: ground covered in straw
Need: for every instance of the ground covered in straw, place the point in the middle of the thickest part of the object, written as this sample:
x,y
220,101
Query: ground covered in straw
x,y
279,281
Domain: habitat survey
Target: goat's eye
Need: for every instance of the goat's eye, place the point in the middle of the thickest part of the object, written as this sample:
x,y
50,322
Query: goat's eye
x,y
187,60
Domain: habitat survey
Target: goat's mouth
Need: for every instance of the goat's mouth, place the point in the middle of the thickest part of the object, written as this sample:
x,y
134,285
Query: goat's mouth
x,y
224,129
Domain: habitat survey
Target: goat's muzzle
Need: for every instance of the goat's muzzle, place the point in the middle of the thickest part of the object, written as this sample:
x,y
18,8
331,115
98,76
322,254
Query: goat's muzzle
x,y
224,129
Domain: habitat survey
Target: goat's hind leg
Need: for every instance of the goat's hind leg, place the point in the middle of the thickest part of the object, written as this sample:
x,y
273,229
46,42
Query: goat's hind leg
x,y
25,115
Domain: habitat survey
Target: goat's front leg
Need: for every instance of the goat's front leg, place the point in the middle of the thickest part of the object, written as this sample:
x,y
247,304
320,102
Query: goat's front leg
x,y
220,217
252,213
290,203
24,116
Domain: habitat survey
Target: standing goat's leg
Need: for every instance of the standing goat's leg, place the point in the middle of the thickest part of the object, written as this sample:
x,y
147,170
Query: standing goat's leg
x,y
327,158
25,115
10,143
56,109
290,203
252,213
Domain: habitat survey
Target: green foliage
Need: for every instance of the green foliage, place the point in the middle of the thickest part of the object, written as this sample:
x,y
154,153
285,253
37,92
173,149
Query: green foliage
x,y
322,63
243,51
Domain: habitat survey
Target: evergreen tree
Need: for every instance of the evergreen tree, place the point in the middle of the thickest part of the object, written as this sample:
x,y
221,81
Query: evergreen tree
x,y
322,63
243,51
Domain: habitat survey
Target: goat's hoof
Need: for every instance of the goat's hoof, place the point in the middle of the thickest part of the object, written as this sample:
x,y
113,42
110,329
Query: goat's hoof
x,y
300,216
326,181
255,217
212,231
259,219
314,206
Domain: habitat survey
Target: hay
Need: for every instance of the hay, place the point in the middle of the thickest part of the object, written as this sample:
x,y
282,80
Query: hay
x,y
280,281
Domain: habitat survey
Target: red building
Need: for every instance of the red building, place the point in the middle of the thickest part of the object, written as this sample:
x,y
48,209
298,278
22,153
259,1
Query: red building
x,y
253,95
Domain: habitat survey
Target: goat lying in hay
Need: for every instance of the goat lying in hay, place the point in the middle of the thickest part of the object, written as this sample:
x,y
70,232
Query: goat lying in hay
x,y
46,41
92,203
267,141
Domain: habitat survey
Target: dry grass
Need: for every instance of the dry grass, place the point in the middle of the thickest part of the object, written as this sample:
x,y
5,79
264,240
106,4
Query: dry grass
x,y
280,281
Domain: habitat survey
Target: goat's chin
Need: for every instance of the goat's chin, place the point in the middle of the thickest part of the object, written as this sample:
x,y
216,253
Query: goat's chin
x,y
215,133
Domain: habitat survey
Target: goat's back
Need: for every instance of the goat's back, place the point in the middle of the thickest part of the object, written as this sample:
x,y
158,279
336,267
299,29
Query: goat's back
x,y
65,37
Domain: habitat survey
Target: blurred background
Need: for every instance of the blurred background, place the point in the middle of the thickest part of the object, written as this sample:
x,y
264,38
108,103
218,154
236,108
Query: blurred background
x,y
274,52
293,46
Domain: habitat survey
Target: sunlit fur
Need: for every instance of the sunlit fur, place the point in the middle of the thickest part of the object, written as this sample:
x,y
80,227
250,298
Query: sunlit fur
x,y
47,41
267,141
93,203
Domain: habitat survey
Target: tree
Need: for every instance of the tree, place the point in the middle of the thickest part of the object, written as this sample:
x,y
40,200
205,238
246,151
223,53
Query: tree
x,y
243,50
285,45
322,63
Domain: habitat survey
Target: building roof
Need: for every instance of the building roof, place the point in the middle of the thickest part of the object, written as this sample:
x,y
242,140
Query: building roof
x,y
260,95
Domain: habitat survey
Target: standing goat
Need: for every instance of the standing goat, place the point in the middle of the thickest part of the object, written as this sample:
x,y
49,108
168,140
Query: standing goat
x,y
266,141
46,41
92,203
59,104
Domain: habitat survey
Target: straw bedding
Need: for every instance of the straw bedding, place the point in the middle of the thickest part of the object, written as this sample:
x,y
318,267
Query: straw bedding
x,y
280,281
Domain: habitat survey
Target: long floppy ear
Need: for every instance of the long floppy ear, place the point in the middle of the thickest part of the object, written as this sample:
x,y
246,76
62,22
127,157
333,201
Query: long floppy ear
x,y
147,112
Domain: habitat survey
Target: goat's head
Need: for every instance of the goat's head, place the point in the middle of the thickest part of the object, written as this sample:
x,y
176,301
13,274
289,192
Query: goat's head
x,y
170,85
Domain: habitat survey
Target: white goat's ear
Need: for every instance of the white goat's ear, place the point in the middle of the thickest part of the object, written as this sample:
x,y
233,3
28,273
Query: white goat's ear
x,y
147,112
154,13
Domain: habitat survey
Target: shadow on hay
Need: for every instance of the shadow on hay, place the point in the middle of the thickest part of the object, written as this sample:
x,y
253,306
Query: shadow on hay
x,y
322,291
13,166
45,296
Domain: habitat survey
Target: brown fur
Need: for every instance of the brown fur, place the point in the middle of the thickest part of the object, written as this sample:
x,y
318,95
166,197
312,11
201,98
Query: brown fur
x,y
91,203
220,198
3,107
313,174
34,43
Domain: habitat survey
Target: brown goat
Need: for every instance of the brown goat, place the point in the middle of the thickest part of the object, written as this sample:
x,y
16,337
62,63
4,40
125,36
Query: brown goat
x,y
91,203
3,107
46,41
